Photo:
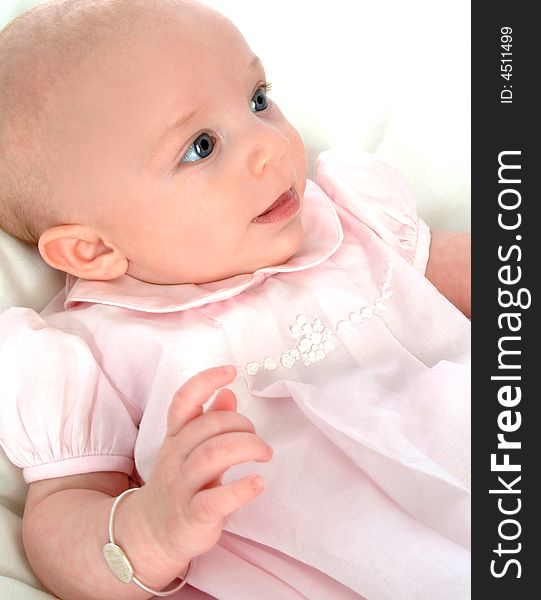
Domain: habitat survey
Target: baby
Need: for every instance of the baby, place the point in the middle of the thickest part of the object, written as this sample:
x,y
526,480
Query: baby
x,y
140,151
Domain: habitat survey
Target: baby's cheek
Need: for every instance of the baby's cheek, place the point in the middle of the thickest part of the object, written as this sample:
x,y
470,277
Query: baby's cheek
x,y
300,158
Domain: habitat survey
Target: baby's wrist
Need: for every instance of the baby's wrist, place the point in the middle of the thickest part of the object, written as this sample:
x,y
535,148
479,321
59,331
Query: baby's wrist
x,y
151,564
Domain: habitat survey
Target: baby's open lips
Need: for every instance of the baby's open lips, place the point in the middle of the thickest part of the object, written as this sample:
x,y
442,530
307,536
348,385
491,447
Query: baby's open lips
x,y
283,198
286,204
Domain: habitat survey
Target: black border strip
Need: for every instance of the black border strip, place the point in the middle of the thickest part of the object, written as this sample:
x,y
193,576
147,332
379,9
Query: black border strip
x,y
505,123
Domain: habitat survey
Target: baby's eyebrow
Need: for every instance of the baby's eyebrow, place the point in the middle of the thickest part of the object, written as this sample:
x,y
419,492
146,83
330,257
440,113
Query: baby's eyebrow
x,y
256,62
175,127
184,120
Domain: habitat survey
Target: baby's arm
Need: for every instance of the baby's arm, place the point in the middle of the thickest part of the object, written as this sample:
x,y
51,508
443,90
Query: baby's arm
x,y
65,527
449,267
177,515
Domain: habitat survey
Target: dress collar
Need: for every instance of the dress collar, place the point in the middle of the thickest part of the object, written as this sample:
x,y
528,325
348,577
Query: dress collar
x,y
323,235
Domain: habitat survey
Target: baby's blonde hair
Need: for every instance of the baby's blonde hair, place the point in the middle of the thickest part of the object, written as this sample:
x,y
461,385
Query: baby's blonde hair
x,y
25,194
38,51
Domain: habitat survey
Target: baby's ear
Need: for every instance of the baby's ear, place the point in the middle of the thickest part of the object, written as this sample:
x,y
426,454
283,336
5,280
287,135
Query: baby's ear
x,y
82,252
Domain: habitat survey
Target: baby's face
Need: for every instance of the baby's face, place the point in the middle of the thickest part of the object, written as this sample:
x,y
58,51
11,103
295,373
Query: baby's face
x,y
169,144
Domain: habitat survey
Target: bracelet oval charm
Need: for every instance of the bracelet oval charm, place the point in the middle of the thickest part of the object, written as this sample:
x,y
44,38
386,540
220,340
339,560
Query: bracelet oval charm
x,y
118,562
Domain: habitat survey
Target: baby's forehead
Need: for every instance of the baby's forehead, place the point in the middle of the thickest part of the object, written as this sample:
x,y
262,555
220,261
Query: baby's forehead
x,y
55,40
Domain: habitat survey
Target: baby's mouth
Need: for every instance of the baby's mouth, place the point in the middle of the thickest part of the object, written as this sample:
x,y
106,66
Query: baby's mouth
x,y
286,205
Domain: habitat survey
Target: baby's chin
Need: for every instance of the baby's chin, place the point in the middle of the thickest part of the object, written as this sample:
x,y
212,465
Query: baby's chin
x,y
279,253
289,247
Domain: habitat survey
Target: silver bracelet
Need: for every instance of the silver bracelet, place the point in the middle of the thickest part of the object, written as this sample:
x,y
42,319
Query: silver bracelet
x,y
118,562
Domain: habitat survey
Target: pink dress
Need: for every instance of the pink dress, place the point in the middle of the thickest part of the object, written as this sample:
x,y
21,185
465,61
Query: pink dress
x,y
350,363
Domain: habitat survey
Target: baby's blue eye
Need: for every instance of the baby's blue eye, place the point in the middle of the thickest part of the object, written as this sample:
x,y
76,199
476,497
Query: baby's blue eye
x,y
201,148
259,100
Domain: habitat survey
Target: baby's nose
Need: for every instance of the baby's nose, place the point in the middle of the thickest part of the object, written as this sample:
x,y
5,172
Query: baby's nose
x,y
270,147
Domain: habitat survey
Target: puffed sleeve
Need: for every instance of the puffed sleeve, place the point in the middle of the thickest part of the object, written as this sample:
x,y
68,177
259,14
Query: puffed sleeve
x,y
379,196
59,413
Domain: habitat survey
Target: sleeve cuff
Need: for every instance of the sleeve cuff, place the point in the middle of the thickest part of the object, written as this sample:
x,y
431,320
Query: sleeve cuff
x,y
78,466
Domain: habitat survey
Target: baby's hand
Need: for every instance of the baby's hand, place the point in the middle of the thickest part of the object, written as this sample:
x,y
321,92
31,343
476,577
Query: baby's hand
x,y
183,499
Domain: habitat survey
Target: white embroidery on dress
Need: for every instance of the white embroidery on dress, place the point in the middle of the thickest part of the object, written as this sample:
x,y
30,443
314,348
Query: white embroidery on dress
x,y
315,340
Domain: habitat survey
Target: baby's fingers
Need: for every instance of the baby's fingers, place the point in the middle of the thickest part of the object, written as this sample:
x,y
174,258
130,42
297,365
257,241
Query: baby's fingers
x,y
211,459
225,400
187,401
204,428
212,505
